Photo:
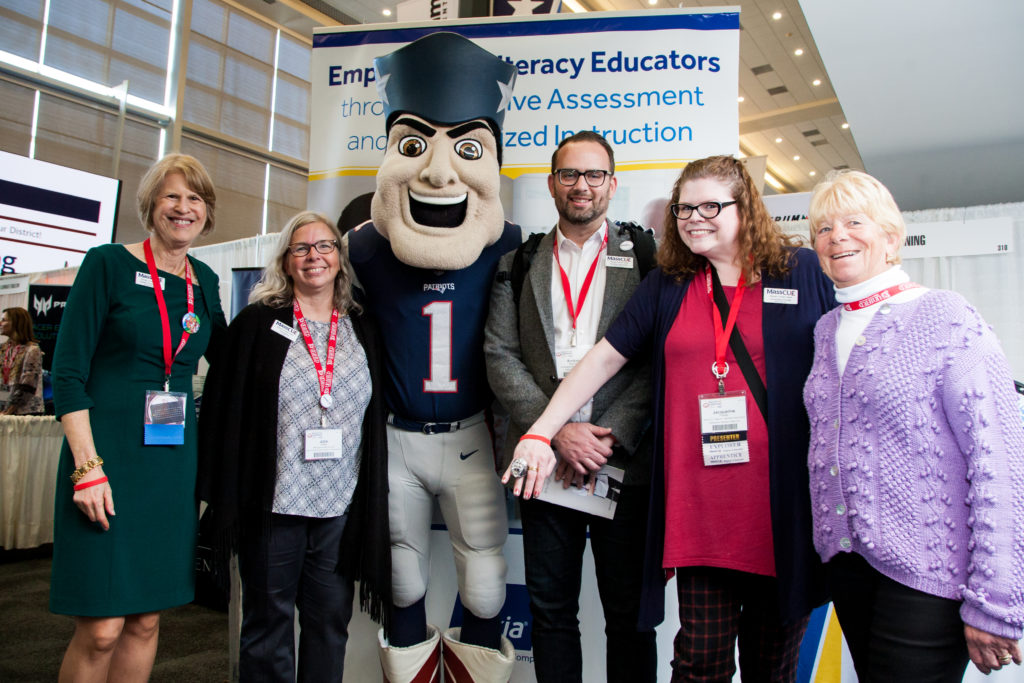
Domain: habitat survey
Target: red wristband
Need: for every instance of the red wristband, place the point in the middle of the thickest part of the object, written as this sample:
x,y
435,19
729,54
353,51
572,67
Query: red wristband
x,y
87,484
538,437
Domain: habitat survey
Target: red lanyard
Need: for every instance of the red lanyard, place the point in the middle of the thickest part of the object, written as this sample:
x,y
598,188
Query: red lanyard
x,y
162,306
567,289
720,369
324,376
879,296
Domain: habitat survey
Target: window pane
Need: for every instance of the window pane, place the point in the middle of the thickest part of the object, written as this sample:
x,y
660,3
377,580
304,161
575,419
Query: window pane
x,y
239,184
292,99
251,37
291,139
16,104
294,57
287,197
85,19
208,19
21,24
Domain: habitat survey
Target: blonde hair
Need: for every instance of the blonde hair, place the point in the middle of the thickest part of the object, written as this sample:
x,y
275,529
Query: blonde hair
x,y
847,192
196,178
762,246
275,287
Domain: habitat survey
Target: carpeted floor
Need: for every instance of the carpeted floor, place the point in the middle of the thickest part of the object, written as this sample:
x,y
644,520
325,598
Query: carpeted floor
x,y
193,640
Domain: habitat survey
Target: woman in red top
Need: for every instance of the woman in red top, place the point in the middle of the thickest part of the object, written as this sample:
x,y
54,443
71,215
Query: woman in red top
x,y
731,491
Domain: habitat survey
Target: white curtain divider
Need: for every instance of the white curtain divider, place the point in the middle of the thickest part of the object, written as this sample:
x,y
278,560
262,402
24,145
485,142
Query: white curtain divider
x,y
993,283
250,252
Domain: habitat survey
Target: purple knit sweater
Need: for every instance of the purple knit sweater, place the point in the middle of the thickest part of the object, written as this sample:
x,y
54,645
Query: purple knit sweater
x,y
917,456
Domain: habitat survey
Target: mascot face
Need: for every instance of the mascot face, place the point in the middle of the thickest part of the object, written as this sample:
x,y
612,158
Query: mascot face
x,y
437,192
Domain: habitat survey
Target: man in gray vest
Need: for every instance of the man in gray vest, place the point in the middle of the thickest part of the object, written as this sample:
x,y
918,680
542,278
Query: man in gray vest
x,y
579,278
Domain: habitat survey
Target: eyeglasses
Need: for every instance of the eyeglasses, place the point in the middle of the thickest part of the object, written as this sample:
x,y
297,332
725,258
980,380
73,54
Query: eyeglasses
x,y
569,176
705,209
302,248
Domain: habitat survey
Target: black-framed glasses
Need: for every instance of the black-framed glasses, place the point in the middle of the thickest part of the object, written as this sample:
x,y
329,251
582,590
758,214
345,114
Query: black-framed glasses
x,y
570,176
706,209
302,248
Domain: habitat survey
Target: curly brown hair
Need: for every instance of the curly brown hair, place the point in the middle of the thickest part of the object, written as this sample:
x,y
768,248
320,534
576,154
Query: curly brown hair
x,y
762,245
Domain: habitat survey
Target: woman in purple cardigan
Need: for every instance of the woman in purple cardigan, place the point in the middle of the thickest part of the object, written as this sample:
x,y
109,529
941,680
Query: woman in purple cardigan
x,y
916,458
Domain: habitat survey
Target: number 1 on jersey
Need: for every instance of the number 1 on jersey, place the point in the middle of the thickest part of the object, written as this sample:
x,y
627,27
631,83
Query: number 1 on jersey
x,y
440,380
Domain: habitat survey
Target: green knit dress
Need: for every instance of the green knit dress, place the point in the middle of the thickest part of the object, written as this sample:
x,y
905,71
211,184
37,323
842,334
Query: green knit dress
x,y
109,353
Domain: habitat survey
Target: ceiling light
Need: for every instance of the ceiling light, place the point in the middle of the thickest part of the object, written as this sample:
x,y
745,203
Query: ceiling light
x,y
774,182
816,81
778,140
740,98
652,2
845,125
799,51
796,158
387,12
813,173
777,16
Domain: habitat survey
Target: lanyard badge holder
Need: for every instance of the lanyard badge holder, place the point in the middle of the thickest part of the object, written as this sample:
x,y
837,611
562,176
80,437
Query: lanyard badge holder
x,y
723,415
323,443
164,414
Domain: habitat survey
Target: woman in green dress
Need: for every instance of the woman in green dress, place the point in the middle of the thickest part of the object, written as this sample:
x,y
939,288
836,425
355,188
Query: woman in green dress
x,y
122,372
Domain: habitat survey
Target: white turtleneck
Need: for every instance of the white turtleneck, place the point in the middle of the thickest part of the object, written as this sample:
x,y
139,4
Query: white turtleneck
x,y
853,323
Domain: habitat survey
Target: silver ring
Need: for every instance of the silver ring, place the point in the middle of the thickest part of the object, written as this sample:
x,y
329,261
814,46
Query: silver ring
x,y
518,468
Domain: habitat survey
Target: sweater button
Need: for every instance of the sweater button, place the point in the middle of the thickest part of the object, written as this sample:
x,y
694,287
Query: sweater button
x,y
833,470
835,423
840,509
844,543
886,309
861,341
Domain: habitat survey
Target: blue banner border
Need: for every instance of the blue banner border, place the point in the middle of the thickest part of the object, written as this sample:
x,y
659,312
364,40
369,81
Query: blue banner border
x,y
718,21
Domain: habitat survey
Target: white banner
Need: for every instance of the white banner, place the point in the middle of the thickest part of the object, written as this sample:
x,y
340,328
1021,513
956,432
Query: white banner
x,y
786,208
51,215
959,238
660,85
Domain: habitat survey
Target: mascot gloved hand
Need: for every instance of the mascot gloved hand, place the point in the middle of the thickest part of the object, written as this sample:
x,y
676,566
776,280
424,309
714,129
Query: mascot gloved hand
x,y
426,263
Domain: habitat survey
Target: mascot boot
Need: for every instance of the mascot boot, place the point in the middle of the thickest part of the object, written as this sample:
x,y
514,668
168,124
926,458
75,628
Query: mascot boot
x,y
420,663
465,663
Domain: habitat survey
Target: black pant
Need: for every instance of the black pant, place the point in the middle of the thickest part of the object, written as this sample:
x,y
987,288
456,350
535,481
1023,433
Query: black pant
x,y
294,564
554,538
896,633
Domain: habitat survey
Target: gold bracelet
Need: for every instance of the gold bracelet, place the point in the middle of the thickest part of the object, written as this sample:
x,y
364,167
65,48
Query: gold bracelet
x,y
86,467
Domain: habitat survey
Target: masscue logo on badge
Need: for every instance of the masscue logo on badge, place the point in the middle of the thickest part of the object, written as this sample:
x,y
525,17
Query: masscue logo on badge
x,y
779,295
618,261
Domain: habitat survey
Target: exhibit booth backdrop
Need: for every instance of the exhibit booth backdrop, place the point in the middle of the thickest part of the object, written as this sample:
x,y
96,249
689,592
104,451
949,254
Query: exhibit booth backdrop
x,y
660,85
991,282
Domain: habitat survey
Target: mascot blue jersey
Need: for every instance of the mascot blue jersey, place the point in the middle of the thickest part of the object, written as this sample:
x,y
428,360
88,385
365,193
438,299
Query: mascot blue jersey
x,y
433,325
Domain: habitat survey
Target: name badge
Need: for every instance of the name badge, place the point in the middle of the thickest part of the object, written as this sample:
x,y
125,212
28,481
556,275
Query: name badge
x,y
567,358
777,295
164,419
723,427
145,280
618,261
323,444
284,330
